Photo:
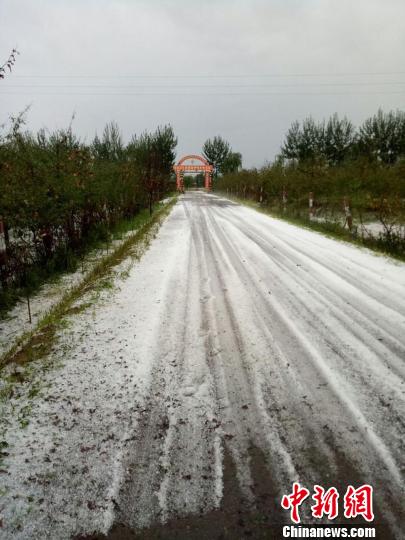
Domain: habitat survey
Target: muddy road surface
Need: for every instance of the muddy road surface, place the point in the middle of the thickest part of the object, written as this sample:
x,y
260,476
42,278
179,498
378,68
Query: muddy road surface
x,y
239,355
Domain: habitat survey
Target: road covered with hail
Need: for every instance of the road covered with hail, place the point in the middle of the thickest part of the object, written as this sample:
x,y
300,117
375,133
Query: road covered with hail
x,y
239,355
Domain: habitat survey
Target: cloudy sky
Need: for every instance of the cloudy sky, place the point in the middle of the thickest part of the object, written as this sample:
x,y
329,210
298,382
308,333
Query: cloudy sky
x,y
244,69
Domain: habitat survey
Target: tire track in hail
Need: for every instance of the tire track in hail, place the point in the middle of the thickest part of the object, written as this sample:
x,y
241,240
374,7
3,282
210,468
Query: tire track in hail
x,y
192,456
332,263
335,270
330,376
233,377
351,354
320,292
360,420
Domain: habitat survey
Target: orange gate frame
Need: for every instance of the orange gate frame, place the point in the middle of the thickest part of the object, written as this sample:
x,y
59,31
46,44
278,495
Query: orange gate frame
x,y
204,167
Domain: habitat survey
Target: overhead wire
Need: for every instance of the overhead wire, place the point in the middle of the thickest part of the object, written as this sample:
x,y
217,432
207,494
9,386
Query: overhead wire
x,y
213,87
253,85
191,94
207,75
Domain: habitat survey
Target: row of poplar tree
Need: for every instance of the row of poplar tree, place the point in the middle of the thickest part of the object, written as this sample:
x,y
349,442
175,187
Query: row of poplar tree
x,y
332,159
380,137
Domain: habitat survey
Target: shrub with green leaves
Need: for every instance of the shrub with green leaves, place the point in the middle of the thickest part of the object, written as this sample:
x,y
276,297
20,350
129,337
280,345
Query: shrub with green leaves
x,y
59,194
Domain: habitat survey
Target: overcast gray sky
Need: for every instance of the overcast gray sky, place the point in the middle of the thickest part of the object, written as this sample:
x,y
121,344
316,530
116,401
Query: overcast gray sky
x,y
244,69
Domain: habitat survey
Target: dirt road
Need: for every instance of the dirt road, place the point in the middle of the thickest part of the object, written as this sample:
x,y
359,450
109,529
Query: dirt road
x,y
239,355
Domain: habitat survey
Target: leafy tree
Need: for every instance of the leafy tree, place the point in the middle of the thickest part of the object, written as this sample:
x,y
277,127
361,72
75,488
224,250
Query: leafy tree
x,y
339,138
232,162
216,151
110,147
153,156
291,147
383,136
330,142
312,140
304,143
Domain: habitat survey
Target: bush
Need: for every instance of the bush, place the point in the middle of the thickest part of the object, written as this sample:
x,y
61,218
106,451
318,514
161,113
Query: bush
x,y
59,195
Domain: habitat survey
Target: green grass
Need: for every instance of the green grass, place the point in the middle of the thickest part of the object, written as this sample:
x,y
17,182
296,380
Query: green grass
x,y
38,343
393,247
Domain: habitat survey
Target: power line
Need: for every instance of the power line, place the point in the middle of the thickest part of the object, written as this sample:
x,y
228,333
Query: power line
x,y
253,85
191,94
208,76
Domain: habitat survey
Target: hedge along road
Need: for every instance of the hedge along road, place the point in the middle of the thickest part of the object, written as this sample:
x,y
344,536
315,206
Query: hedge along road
x,y
239,355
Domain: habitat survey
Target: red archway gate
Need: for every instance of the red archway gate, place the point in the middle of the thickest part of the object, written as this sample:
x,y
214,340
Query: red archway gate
x,y
202,166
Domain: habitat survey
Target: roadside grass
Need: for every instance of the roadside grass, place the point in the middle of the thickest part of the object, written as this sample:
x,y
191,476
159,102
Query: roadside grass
x,y
37,343
389,246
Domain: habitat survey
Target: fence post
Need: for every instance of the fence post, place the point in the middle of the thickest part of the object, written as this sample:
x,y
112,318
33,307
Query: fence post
x,y
311,204
284,199
29,307
3,253
2,236
348,213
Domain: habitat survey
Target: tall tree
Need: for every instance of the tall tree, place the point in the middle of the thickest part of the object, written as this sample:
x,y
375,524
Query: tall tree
x,y
110,146
232,162
338,140
304,143
153,155
383,136
291,147
314,142
216,151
